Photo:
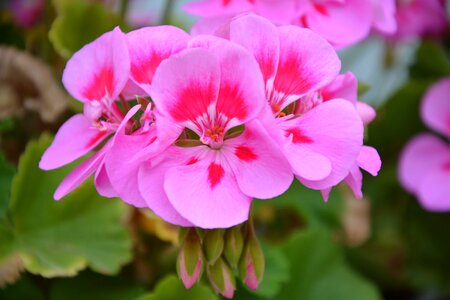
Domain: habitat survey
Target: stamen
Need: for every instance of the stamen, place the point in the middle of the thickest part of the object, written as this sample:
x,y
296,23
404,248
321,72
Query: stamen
x,y
216,133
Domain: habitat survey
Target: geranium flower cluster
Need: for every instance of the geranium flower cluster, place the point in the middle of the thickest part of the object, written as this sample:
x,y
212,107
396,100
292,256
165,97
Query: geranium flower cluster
x,y
195,128
424,168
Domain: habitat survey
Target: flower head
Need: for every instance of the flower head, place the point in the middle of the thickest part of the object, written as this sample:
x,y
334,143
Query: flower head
x,y
424,168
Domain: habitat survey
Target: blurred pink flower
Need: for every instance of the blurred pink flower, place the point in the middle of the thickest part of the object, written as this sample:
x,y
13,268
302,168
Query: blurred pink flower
x,y
26,12
341,22
424,168
419,18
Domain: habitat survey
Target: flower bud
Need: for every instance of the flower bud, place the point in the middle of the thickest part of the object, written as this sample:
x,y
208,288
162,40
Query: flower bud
x,y
213,244
251,265
190,259
221,278
234,244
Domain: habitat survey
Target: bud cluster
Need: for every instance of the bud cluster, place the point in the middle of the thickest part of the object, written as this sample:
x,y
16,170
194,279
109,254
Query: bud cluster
x,y
224,254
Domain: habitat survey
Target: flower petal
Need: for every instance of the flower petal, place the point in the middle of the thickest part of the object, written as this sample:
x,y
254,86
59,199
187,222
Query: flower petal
x,y
103,184
345,86
423,153
307,62
191,74
206,194
435,109
151,182
384,16
213,8
149,46
261,38
334,130
79,175
260,167
241,93
342,23
99,69
433,192
354,181
75,138
369,160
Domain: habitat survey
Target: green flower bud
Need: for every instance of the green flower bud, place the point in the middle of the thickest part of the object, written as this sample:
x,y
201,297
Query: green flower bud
x,y
213,244
234,244
221,278
251,265
190,258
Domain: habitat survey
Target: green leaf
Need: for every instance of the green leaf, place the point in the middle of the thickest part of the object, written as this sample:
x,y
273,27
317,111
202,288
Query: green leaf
x,y
61,238
78,23
91,286
171,288
6,174
318,271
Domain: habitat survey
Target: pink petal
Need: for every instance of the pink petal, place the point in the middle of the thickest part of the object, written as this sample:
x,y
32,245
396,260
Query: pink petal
x,y
103,184
306,163
123,169
342,23
213,8
307,62
191,74
369,160
326,194
99,69
261,38
79,175
75,138
435,109
366,112
422,154
120,165
384,16
151,182
280,12
131,90
212,26
206,194
354,181
260,168
345,86
241,93
434,190
332,129
149,46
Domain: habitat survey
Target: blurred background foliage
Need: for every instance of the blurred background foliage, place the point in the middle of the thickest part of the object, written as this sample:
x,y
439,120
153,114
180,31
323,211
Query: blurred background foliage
x,y
87,247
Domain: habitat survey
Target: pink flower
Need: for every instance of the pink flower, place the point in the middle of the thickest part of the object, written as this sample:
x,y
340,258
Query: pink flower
x,y
424,168
341,22
26,12
224,158
418,18
321,142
